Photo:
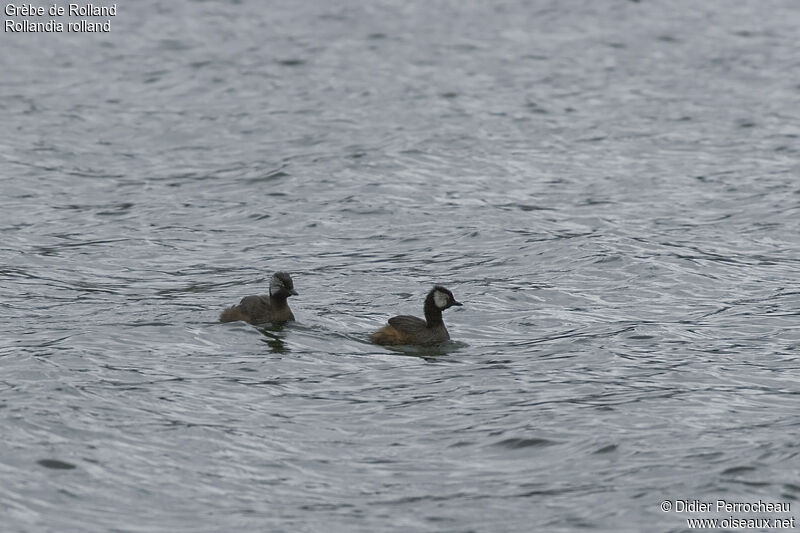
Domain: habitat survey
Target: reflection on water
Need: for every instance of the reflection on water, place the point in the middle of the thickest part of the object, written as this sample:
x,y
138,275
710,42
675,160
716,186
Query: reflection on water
x,y
429,353
273,339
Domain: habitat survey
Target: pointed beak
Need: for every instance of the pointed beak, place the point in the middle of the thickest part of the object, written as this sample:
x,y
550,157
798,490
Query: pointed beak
x,y
457,303
293,292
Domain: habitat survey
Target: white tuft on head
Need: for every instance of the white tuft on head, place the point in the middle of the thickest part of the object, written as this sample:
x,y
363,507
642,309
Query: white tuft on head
x,y
440,299
275,284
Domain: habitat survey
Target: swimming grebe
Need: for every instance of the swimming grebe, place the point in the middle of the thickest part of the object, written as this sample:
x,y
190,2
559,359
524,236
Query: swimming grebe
x,y
407,329
271,307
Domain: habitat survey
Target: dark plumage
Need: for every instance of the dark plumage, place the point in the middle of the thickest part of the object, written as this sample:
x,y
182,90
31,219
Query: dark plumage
x,y
407,329
263,308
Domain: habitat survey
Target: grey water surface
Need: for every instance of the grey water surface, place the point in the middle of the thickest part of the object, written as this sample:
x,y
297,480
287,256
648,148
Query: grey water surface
x,y
612,188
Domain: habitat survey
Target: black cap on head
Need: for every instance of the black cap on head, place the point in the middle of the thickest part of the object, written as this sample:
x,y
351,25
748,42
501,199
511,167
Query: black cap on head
x,y
442,297
282,282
